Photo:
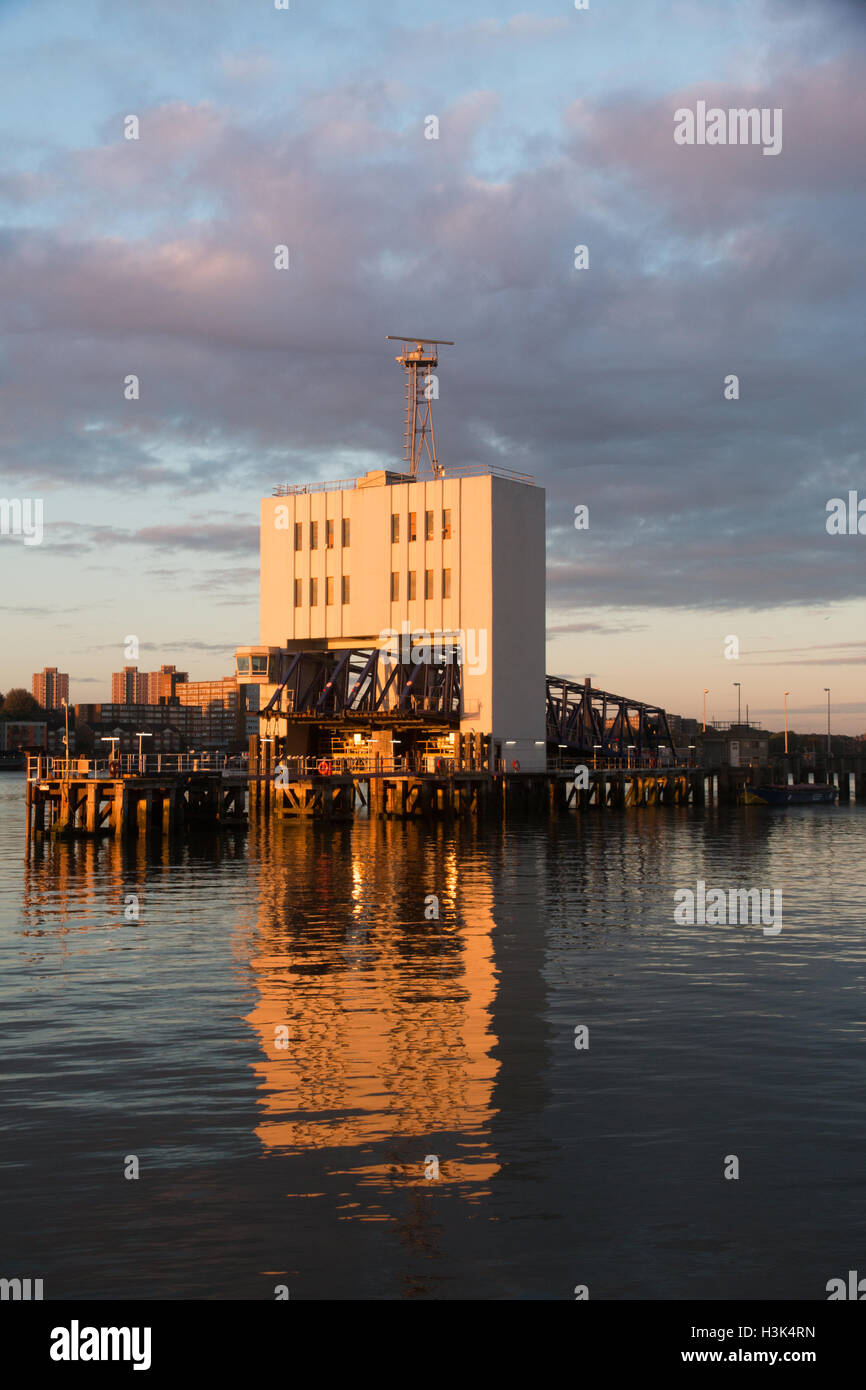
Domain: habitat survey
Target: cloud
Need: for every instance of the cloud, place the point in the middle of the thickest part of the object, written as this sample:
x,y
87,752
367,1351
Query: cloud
x,y
606,384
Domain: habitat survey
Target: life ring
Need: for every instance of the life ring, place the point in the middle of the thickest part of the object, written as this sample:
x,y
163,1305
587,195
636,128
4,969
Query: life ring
x,y
323,767
515,766
440,765
114,767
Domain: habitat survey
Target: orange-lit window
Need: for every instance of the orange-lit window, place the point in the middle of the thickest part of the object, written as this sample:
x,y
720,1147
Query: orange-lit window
x,y
428,583
329,590
346,530
395,528
413,526
329,535
299,534
412,591
314,535
345,588
428,526
446,524
314,592
446,583
395,586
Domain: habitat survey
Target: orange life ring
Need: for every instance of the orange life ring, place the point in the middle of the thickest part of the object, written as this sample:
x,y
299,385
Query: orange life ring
x,y
515,766
324,767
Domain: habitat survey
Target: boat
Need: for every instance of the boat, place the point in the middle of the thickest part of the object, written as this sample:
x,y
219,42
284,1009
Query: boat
x,y
797,794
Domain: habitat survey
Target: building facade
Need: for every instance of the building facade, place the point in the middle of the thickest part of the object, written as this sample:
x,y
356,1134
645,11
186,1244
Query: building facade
x,y
387,560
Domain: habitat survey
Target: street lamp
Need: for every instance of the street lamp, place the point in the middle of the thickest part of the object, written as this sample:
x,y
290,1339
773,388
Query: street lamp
x,y
827,688
630,747
66,735
787,693
140,734
737,684
692,751
706,693
595,748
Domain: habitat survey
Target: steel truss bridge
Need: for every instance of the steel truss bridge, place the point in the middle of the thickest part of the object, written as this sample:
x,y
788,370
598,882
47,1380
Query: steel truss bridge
x,y
365,683
594,722
339,684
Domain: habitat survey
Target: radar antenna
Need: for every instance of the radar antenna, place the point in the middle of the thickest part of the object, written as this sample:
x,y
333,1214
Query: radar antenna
x,y
419,358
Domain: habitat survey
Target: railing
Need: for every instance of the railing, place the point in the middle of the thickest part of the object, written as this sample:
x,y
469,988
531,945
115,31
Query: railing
x,y
338,765
647,762
131,765
460,470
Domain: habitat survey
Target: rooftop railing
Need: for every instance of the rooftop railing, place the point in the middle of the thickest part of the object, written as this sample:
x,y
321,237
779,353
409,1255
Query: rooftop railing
x,y
464,470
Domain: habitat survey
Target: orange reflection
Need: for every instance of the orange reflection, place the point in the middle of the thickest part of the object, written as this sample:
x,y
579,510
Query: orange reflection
x,y
375,1023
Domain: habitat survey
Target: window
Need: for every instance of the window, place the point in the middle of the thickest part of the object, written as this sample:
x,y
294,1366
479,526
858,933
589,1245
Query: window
x,y
412,591
428,526
428,583
345,587
299,535
446,524
395,586
314,592
329,535
446,583
314,535
298,587
243,665
346,530
329,590
260,665
395,528
413,526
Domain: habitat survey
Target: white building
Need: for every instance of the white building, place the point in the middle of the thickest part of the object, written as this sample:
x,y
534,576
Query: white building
x,y
346,564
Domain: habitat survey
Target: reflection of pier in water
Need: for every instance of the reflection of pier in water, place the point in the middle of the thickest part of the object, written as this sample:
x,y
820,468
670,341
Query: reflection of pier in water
x,y
389,1015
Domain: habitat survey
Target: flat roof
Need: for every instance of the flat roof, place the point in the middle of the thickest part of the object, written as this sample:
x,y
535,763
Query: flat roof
x,y
382,477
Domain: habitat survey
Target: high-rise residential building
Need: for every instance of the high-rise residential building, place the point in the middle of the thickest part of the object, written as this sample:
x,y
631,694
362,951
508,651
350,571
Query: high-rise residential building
x,y
162,684
51,687
133,687
129,686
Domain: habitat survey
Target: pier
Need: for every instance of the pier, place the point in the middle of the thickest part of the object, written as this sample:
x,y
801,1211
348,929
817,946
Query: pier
x,y
169,794
162,795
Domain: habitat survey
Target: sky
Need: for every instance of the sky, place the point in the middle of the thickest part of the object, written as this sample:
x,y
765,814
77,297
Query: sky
x,y
307,127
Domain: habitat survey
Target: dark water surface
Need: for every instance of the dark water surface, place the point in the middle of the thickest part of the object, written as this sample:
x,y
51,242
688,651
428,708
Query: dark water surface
x,y
304,1164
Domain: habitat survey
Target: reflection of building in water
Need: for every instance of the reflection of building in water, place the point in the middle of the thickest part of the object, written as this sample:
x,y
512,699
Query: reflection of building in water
x,y
389,1015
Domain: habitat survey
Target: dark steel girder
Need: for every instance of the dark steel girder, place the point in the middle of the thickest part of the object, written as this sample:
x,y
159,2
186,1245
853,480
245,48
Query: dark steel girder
x,y
587,721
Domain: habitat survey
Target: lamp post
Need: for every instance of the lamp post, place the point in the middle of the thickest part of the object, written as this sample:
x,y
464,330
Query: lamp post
x,y
827,688
692,752
66,737
140,734
706,693
787,693
737,684
631,748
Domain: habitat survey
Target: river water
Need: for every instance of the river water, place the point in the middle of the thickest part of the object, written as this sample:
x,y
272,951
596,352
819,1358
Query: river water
x,y
325,1089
